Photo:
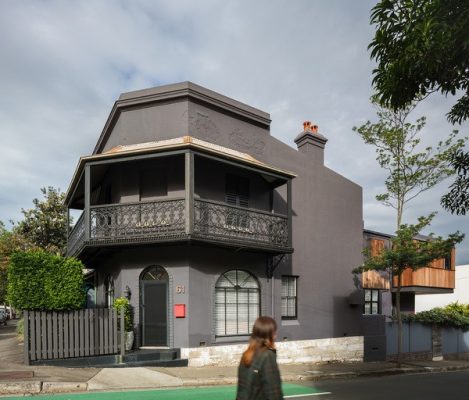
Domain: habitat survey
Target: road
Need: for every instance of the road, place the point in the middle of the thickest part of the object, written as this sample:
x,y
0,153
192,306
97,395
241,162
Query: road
x,y
431,386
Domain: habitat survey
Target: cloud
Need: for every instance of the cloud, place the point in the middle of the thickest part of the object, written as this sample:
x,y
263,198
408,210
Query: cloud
x,y
65,63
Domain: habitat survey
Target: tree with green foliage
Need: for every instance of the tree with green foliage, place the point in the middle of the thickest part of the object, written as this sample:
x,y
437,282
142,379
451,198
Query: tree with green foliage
x,y
457,199
412,169
45,225
408,252
421,47
38,280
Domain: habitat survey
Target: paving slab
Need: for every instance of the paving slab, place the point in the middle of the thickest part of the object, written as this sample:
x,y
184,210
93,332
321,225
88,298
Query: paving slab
x,y
131,378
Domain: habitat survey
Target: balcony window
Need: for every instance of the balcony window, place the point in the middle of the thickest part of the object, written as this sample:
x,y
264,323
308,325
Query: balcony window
x,y
237,303
289,297
448,262
237,194
371,304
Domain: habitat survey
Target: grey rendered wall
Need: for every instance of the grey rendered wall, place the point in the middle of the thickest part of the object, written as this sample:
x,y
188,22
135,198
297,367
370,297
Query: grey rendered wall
x,y
166,121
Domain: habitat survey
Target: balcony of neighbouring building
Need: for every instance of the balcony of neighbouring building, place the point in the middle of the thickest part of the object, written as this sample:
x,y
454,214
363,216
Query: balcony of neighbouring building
x,y
179,190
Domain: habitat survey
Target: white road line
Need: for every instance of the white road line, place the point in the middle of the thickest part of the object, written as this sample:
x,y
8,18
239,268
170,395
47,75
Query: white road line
x,y
306,395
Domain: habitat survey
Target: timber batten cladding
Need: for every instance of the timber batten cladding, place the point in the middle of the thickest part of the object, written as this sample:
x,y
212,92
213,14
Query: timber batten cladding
x,y
440,274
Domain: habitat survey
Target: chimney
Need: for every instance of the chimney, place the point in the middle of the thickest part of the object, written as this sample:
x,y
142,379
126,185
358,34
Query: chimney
x,y
311,142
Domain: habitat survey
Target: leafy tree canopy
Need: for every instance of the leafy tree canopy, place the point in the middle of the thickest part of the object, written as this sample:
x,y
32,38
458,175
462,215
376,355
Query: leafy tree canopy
x,y
45,225
422,46
412,168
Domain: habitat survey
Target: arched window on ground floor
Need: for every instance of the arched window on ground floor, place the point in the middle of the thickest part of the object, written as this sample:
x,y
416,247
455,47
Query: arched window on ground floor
x,y
237,303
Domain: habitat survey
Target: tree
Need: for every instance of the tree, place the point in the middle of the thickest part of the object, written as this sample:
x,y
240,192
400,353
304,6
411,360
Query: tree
x,y
412,169
421,47
407,252
45,225
457,200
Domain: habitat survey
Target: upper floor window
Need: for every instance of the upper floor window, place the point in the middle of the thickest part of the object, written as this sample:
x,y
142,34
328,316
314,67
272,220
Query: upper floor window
x,y
289,297
371,304
153,183
237,190
448,262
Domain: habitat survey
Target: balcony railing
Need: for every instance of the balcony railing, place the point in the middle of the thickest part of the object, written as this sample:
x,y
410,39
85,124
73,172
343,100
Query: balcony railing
x,y
143,221
165,220
76,238
220,221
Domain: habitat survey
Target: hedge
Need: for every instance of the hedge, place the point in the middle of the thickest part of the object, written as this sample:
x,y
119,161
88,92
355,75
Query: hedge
x,y
38,280
454,315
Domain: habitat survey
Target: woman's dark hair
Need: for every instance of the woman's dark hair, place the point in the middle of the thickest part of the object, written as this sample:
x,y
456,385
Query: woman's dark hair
x,y
262,338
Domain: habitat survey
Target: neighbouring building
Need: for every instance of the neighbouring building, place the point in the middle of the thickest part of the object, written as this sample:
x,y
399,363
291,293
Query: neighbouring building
x,y
379,288
460,294
205,221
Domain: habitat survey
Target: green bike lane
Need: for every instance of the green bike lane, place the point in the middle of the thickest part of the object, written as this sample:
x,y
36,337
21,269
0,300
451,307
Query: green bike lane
x,y
200,393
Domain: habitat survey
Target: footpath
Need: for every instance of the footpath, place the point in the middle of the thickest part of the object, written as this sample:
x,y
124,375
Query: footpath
x,y
19,379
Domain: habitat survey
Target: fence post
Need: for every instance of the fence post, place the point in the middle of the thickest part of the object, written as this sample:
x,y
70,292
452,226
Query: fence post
x,y
122,334
26,337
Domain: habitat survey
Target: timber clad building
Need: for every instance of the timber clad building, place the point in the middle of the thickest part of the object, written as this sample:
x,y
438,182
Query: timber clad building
x,y
205,221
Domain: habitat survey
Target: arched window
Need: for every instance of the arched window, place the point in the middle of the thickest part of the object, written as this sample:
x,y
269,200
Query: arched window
x,y
237,303
154,273
109,291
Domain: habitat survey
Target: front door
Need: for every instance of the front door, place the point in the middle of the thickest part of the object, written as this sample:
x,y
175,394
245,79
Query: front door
x,y
154,312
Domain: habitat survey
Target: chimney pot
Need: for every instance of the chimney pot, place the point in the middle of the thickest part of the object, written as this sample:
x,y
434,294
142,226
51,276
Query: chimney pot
x,y
308,127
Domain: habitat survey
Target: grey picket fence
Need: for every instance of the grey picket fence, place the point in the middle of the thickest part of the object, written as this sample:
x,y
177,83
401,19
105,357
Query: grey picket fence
x,y
52,335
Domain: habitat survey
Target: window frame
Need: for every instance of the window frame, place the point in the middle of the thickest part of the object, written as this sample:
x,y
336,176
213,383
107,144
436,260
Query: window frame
x,y
236,288
109,291
289,317
371,302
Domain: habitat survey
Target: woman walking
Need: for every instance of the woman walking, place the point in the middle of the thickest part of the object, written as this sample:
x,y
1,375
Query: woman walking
x,y
258,374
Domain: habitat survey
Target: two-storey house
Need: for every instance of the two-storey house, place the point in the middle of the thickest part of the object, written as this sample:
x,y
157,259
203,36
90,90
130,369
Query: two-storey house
x,y
205,221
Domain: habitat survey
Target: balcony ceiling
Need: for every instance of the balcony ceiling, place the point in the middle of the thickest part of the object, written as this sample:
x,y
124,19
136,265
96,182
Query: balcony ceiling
x,y
184,142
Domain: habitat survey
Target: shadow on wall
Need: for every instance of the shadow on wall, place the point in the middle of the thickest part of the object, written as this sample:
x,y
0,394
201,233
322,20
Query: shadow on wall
x,y
347,318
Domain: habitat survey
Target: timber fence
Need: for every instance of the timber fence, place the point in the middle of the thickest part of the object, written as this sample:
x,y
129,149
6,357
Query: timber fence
x,y
52,335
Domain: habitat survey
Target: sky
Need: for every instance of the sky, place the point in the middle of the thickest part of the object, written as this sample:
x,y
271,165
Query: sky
x,y
64,63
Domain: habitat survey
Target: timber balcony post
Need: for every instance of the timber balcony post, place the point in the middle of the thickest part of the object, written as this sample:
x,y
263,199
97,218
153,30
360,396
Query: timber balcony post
x,y
87,220
189,191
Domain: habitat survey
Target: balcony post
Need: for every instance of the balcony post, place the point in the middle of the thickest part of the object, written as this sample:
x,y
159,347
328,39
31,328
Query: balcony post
x,y
189,191
86,219
289,212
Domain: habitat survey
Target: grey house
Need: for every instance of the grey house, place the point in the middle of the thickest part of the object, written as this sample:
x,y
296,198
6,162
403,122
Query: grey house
x,y
205,221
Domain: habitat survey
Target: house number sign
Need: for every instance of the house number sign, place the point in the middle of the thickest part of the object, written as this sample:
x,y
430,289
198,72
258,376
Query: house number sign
x,y
180,289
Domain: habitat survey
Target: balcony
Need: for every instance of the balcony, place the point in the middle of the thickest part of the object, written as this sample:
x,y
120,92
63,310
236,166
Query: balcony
x,y
167,221
422,279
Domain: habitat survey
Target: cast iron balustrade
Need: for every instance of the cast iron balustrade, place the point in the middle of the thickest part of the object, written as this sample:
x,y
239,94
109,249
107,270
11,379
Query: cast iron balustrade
x,y
142,221
165,220
220,221
76,238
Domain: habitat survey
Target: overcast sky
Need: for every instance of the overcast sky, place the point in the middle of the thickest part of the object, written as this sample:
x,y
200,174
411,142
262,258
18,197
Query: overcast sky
x,y
64,63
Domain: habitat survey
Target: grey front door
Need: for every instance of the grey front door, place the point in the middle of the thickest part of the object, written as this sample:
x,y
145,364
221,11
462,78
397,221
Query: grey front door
x,y
155,313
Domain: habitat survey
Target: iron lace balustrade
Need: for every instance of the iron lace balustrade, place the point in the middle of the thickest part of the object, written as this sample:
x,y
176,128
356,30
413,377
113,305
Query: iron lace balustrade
x,y
76,238
223,222
137,222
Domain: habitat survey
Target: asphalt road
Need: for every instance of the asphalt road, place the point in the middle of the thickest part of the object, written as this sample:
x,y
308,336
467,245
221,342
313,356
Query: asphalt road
x,y
431,386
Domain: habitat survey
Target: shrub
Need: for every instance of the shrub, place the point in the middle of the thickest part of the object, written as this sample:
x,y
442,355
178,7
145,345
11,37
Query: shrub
x,y
453,315
121,303
38,280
